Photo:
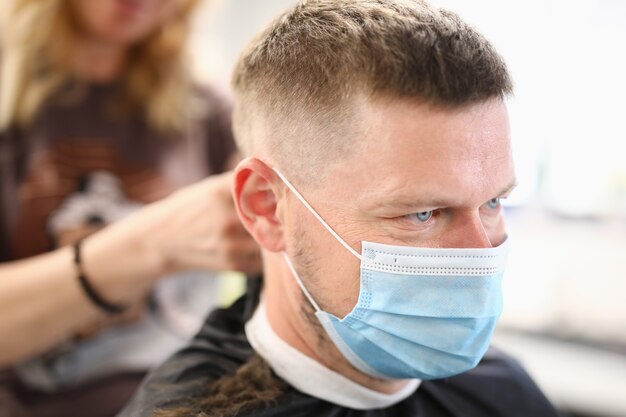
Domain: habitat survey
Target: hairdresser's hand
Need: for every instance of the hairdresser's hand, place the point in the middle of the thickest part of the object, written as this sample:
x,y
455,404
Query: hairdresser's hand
x,y
194,228
198,227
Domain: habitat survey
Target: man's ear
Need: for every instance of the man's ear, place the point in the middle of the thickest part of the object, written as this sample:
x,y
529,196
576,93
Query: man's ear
x,y
256,191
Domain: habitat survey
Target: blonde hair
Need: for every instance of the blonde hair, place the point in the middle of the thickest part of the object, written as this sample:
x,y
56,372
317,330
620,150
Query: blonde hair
x,y
36,42
296,84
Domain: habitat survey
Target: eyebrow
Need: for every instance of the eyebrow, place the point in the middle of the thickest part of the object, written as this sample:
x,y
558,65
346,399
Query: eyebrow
x,y
442,203
508,188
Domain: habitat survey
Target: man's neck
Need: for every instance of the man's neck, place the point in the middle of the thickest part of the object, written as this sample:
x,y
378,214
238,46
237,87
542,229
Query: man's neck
x,y
292,319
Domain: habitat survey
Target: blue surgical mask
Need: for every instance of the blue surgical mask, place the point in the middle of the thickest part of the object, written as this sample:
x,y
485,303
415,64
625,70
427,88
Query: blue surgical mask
x,y
423,313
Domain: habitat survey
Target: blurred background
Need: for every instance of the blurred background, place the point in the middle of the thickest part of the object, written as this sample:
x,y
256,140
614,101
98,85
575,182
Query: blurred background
x,y
565,310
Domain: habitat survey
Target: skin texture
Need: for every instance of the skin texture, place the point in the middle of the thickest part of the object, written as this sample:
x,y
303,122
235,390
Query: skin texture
x,y
412,158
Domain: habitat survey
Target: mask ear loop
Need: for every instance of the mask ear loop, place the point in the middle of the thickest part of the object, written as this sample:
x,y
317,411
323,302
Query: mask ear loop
x,y
317,216
300,283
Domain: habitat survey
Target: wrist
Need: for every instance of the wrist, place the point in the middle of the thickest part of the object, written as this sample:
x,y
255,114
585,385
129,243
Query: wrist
x,y
89,290
119,265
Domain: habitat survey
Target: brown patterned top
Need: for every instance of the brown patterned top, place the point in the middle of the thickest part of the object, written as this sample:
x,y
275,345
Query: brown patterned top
x,y
83,164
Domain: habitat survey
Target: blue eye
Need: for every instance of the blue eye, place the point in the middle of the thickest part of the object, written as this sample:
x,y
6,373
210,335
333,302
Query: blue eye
x,y
424,216
494,203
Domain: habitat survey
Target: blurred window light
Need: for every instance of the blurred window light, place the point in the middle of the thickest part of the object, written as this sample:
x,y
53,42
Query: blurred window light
x,y
568,63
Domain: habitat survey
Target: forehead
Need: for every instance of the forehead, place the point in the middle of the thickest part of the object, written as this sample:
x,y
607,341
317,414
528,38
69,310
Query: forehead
x,y
413,150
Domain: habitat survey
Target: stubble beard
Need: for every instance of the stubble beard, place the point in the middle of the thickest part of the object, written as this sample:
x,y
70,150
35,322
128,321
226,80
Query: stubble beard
x,y
305,263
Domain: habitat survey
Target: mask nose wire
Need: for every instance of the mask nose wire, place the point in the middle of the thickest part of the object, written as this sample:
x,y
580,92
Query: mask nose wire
x,y
317,216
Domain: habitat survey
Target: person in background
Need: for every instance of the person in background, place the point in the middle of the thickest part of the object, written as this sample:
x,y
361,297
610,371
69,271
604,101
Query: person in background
x,y
99,117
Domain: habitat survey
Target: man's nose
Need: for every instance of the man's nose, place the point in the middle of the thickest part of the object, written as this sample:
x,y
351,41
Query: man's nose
x,y
468,231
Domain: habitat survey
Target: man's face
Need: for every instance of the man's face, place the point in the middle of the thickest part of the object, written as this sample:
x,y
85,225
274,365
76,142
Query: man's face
x,y
422,176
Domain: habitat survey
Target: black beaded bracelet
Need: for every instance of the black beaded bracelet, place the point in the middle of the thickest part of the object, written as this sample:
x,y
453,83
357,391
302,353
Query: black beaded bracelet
x,y
90,291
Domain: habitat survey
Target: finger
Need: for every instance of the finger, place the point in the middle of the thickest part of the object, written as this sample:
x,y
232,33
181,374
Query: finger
x,y
244,246
253,264
248,259
225,225
238,231
225,254
248,263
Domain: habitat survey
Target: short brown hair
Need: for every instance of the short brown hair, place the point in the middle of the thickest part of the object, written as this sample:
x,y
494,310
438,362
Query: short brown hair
x,y
301,73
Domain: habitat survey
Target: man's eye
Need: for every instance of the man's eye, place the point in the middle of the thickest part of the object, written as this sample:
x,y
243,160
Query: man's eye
x,y
422,217
494,203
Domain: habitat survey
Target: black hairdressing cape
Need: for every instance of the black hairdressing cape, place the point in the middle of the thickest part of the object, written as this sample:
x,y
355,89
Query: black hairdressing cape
x,y
497,387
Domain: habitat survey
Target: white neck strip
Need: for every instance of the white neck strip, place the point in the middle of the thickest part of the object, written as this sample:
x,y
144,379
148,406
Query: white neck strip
x,y
311,377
